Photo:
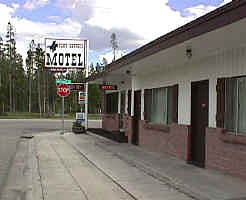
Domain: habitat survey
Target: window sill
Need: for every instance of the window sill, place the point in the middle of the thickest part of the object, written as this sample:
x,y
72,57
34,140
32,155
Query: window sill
x,y
157,127
228,137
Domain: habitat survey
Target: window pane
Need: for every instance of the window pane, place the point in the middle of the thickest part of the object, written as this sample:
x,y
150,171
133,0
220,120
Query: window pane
x,y
231,104
129,102
242,105
122,101
115,103
112,103
159,106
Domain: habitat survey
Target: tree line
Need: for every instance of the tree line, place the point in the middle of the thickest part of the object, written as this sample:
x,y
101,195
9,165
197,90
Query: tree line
x,y
29,87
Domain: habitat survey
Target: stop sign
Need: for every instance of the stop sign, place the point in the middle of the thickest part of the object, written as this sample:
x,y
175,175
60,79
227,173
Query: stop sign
x,y
63,90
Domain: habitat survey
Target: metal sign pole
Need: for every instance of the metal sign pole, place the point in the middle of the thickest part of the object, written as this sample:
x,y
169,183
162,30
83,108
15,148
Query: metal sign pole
x,y
86,87
86,106
62,116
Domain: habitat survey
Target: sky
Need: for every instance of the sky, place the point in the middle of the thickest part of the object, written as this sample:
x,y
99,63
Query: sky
x,y
135,22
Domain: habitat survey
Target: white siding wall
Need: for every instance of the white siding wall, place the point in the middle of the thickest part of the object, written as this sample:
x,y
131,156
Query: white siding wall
x,y
184,102
224,64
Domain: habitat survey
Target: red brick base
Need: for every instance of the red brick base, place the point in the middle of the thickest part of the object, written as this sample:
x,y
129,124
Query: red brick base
x,y
111,122
223,151
226,152
128,126
173,139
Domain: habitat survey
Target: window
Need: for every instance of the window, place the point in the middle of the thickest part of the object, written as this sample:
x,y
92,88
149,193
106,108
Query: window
x,y
112,103
161,105
235,105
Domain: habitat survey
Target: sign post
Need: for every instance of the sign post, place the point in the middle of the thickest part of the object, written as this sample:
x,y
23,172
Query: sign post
x,y
63,54
86,85
63,91
62,116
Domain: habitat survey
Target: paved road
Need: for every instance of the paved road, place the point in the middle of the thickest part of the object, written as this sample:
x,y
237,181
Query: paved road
x,y
11,130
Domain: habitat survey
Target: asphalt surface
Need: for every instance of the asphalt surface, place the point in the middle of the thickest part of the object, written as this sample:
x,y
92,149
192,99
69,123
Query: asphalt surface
x,y
12,130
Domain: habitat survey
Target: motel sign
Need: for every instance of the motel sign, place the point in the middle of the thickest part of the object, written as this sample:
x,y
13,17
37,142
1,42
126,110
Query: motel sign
x,y
65,53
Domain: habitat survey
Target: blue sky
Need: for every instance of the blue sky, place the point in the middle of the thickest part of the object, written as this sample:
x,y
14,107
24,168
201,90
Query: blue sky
x,y
134,25
182,4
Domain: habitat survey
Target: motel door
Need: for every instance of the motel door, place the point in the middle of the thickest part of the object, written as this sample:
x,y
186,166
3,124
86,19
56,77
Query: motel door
x,y
137,117
199,121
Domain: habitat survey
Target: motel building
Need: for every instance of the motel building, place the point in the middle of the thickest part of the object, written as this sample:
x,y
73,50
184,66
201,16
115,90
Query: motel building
x,y
184,93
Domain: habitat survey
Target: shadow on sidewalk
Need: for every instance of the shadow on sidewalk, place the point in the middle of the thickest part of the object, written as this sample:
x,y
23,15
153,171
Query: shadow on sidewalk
x,y
114,135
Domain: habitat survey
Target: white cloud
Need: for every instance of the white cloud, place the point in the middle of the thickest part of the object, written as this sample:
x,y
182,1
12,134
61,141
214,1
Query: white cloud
x,y
134,22
37,31
138,21
70,3
109,55
33,4
146,19
27,30
6,14
200,10
55,18
225,2
15,6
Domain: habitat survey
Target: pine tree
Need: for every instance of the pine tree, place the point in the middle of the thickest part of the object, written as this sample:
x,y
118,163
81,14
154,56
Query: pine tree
x,y
11,53
114,44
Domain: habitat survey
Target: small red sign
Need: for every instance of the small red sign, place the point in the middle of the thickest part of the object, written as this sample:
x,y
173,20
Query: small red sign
x,y
82,98
109,87
55,70
63,90
77,86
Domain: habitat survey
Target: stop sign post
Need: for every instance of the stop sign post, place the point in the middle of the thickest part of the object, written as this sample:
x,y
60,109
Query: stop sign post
x,y
63,90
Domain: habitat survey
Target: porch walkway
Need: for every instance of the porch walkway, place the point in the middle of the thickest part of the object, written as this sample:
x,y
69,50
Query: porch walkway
x,y
198,183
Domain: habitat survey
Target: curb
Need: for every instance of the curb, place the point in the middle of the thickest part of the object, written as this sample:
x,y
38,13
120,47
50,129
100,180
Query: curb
x,y
29,189
19,181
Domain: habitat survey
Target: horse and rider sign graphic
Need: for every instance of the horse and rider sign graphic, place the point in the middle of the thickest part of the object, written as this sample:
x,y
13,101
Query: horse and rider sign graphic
x,y
65,53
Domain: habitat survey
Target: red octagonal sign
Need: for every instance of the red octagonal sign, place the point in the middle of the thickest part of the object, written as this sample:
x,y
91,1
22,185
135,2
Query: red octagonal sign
x,y
63,90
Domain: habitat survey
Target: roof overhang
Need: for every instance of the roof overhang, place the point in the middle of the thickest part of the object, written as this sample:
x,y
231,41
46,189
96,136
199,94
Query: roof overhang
x,y
221,28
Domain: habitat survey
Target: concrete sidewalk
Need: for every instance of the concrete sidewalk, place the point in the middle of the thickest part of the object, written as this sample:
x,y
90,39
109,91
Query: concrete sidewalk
x,y
52,166
192,181
89,167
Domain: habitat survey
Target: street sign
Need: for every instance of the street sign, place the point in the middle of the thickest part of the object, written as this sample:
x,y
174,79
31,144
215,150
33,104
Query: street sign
x,y
58,82
109,87
82,96
63,90
77,86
